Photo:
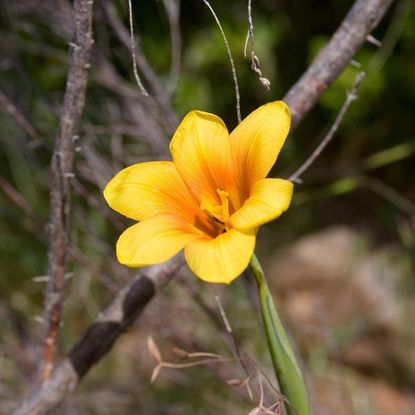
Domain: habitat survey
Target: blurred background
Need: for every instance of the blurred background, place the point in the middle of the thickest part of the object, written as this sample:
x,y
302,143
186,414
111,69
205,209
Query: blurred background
x,y
340,261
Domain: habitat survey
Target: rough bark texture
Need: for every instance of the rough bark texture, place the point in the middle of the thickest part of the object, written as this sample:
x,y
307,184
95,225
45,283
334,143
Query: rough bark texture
x,y
61,172
99,338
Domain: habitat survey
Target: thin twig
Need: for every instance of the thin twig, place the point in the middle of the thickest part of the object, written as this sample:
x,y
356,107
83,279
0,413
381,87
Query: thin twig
x,y
200,359
390,194
211,312
156,88
235,78
16,197
392,35
11,109
132,42
61,172
255,66
173,15
37,229
230,332
220,320
351,96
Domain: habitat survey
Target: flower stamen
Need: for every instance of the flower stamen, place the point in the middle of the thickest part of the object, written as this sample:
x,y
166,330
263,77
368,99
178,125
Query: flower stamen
x,y
224,200
218,213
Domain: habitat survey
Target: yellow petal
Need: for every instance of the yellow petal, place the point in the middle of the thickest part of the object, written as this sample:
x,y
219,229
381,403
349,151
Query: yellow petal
x,y
153,241
221,259
201,153
257,141
268,199
145,190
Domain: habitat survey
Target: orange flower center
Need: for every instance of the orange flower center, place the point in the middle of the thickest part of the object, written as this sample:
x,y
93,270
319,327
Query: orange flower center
x,y
218,214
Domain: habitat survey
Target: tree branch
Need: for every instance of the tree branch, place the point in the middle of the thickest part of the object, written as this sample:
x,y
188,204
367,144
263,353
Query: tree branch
x,y
61,171
101,335
362,18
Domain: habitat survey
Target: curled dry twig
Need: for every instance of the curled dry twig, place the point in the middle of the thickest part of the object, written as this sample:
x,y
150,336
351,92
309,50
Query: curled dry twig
x,y
255,65
202,358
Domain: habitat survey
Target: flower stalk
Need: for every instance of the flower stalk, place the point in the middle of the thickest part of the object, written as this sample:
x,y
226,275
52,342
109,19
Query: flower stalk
x,y
283,358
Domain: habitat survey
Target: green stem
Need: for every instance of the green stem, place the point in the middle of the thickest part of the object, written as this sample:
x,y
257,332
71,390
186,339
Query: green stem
x,y
285,364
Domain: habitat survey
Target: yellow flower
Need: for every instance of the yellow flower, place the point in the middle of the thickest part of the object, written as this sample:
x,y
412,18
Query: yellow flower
x,y
210,199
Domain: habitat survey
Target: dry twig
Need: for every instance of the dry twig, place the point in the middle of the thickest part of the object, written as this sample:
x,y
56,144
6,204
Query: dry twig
x,y
350,97
228,49
61,173
255,66
132,42
152,81
186,360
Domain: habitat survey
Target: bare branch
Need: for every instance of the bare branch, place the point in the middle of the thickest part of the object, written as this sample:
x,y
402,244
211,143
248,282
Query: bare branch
x,y
363,17
62,161
350,97
99,338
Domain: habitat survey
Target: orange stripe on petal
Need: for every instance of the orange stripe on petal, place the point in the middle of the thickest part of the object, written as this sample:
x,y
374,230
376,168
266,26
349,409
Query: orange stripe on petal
x,y
223,258
268,199
154,241
145,190
257,141
201,153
